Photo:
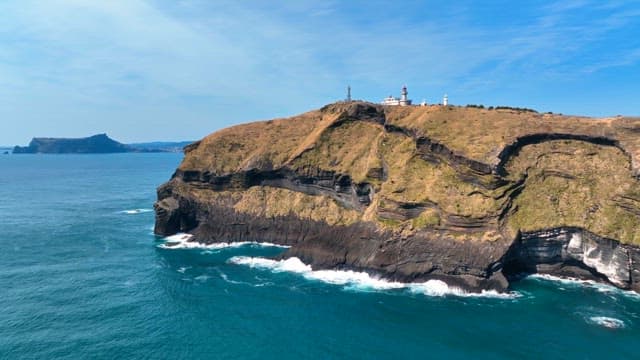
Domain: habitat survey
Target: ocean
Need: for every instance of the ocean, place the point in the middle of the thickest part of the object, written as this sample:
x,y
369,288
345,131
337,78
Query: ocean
x,y
83,277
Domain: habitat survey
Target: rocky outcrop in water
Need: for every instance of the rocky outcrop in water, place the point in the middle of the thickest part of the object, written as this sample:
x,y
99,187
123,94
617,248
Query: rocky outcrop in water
x,y
468,196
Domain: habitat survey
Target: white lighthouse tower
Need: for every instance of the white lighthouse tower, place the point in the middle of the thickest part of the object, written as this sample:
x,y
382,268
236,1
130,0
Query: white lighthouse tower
x,y
403,100
445,100
403,96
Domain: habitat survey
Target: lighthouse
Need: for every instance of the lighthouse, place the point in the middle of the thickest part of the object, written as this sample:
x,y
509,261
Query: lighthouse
x,y
403,96
445,100
349,93
402,101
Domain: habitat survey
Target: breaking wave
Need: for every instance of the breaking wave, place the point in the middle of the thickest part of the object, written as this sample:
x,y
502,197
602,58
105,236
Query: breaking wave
x,y
360,280
182,241
600,287
135,211
563,280
608,322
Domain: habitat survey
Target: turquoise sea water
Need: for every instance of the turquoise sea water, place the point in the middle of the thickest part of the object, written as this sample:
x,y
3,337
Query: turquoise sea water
x,y
83,277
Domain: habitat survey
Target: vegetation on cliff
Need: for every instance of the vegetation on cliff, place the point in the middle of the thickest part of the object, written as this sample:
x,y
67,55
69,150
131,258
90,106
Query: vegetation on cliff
x,y
575,183
462,173
469,196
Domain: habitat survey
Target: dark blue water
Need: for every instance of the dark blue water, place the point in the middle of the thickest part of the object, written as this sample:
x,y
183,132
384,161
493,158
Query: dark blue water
x,y
82,278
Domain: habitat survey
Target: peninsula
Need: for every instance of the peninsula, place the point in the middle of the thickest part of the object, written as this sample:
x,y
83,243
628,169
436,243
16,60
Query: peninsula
x,y
471,196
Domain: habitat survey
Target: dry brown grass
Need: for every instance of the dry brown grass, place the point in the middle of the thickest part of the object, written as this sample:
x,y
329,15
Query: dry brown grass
x,y
272,202
348,149
238,147
413,180
573,183
481,134
568,183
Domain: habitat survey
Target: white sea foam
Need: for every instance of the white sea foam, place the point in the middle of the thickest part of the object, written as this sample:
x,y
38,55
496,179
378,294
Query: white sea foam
x,y
182,241
359,280
135,211
563,280
600,287
202,278
440,288
608,322
289,265
226,278
355,280
436,288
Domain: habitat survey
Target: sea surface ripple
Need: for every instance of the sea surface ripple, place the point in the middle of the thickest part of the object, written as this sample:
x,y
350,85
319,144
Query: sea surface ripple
x,y
83,277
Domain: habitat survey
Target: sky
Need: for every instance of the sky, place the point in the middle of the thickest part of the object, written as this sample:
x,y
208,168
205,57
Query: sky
x,y
146,70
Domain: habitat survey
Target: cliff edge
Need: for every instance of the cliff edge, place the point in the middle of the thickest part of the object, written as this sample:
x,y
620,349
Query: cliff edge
x,y
473,197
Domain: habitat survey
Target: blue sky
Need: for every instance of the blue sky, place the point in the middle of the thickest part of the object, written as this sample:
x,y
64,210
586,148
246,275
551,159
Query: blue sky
x,y
144,70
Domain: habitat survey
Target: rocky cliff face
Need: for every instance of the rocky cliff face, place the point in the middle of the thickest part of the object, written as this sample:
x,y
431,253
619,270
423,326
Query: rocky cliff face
x,y
470,196
574,252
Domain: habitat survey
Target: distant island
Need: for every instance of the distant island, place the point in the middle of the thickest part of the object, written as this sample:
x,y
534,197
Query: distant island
x,y
96,144
161,146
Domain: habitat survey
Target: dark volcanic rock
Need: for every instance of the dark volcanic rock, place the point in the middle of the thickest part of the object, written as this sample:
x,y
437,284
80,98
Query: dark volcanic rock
x,y
360,246
574,252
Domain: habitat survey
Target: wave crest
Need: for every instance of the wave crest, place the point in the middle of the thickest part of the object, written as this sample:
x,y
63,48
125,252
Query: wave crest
x,y
360,280
135,211
600,287
608,322
182,241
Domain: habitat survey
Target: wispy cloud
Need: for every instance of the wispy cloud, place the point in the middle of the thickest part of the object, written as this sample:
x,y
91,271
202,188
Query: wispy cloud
x,y
210,64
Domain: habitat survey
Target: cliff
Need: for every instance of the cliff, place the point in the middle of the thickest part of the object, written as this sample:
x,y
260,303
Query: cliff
x,y
473,197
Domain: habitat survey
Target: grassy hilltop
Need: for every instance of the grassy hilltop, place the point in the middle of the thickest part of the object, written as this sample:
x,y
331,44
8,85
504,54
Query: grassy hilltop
x,y
460,173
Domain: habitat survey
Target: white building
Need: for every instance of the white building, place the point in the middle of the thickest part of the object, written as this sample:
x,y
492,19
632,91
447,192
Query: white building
x,y
402,101
445,100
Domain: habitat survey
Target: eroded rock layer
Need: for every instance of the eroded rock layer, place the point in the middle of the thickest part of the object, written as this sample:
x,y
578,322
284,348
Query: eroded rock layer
x,y
470,196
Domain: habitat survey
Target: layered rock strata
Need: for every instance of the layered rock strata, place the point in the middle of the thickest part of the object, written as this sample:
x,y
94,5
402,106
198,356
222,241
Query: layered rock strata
x,y
469,196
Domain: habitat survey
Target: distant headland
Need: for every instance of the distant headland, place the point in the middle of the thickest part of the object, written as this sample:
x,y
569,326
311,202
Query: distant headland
x,y
96,144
